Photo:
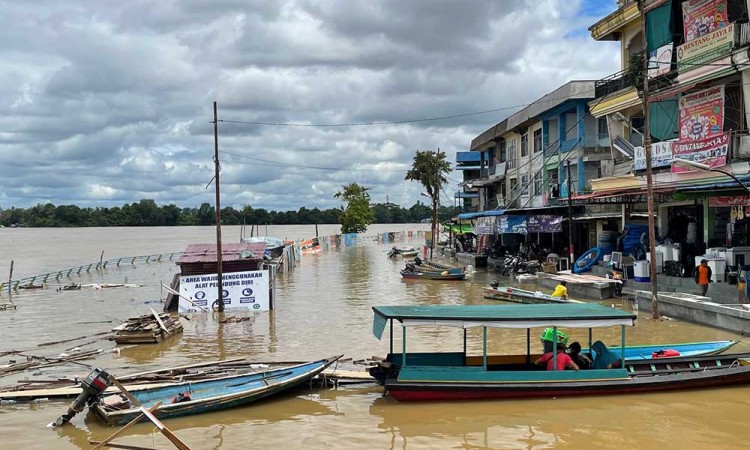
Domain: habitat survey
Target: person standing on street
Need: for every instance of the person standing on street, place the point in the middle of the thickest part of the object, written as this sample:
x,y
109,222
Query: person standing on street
x,y
702,275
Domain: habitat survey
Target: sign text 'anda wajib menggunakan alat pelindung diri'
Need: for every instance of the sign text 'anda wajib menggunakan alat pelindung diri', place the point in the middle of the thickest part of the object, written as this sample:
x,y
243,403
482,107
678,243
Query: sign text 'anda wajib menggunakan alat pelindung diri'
x,y
248,290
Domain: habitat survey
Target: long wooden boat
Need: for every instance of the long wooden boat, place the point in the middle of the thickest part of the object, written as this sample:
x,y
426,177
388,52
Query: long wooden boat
x,y
460,376
439,276
512,294
431,267
212,395
428,264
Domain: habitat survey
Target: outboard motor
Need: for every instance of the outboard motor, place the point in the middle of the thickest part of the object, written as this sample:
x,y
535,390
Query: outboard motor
x,y
95,383
494,284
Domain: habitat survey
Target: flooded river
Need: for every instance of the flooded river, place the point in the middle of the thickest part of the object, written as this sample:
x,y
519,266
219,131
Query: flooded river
x,y
322,308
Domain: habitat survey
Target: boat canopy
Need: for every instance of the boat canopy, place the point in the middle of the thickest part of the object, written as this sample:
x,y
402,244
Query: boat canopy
x,y
573,315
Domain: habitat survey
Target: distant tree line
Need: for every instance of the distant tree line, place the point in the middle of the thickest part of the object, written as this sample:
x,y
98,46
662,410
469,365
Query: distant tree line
x,y
147,213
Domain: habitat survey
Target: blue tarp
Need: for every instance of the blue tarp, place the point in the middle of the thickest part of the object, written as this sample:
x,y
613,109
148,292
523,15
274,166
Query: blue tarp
x,y
490,213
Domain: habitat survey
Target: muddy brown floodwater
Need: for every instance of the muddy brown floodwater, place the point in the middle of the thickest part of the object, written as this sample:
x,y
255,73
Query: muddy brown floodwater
x,y
322,308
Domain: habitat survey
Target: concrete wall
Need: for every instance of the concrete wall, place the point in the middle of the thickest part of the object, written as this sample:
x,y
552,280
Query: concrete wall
x,y
692,308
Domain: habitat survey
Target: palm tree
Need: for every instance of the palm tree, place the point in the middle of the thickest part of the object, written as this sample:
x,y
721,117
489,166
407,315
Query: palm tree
x,y
430,169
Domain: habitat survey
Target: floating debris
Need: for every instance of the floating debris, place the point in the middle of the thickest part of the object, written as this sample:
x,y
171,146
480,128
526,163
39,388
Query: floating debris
x,y
147,329
32,361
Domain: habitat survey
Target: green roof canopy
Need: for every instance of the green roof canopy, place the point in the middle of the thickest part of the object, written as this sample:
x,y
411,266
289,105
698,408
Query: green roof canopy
x,y
573,315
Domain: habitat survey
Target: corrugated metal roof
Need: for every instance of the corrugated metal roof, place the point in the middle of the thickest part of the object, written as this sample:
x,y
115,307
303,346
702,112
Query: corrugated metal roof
x,y
202,253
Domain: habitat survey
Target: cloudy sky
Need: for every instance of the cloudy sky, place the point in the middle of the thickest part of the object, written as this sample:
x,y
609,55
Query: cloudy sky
x,y
106,103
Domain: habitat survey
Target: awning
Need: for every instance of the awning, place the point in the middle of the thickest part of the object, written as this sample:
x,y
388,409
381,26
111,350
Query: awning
x,y
538,208
489,213
573,315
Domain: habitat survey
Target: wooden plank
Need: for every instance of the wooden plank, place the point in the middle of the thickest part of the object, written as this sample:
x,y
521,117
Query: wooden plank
x,y
348,374
122,446
148,413
124,428
173,292
71,391
124,391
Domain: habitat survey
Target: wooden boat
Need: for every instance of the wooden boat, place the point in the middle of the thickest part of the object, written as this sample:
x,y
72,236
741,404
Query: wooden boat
x,y
432,267
440,276
512,294
211,395
460,376
406,252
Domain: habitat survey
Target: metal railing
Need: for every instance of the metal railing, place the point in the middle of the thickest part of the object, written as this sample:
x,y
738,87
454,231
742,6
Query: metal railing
x,y
613,83
96,266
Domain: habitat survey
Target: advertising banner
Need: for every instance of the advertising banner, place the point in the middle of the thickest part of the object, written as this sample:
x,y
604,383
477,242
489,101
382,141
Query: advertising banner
x,y
661,156
246,290
705,49
544,224
729,201
702,114
701,17
512,224
485,225
711,151
660,61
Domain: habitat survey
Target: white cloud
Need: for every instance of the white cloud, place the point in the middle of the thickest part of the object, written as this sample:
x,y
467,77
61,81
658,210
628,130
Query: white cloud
x,y
108,104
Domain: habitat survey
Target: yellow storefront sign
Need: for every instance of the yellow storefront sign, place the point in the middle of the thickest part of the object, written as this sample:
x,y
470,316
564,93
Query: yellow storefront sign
x,y
706,48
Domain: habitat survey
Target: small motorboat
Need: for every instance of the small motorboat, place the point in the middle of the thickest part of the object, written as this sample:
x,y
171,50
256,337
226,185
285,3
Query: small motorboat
x,y
406,252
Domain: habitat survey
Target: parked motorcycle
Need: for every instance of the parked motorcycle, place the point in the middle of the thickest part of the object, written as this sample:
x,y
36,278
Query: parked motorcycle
x,y
518,266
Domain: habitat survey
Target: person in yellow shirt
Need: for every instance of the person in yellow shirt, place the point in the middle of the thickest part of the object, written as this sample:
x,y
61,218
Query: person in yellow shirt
x,y
561,291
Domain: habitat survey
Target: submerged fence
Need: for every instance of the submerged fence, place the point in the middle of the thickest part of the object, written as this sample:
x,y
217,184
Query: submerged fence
x,y
290,258
34,281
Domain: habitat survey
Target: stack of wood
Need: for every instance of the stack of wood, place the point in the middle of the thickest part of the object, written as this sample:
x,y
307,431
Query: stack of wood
x,y
147,329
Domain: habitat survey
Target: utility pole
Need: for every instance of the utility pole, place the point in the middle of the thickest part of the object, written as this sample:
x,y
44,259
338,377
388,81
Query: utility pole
x,y
571,247
435,199
649,178
219,286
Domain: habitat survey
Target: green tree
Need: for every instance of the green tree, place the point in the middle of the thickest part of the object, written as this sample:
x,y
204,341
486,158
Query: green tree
x,y
430,170
206,214
357,214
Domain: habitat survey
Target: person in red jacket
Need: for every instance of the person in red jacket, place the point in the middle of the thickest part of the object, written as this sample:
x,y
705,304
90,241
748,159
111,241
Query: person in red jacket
x,y
702,275
563,360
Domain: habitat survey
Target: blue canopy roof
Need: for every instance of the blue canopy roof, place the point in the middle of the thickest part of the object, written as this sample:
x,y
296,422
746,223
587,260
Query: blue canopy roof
x,y
474,215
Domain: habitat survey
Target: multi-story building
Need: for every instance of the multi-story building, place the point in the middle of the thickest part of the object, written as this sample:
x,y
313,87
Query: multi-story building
x,y
698,72
530,154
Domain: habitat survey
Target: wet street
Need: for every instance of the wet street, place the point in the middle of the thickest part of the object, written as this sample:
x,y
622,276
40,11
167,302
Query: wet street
x,y
323,308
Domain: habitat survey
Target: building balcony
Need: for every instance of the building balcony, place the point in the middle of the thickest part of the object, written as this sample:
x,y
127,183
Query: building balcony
x,y
614,83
